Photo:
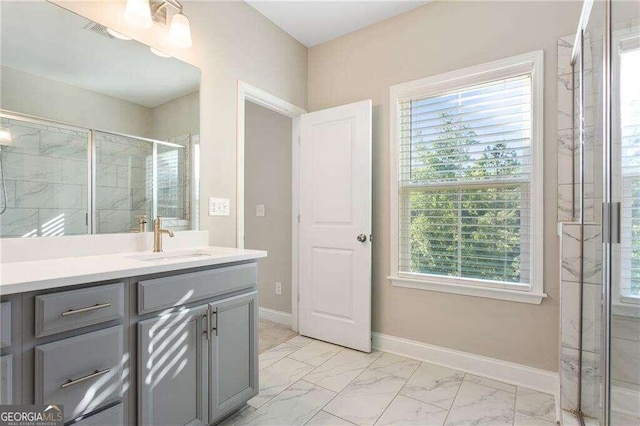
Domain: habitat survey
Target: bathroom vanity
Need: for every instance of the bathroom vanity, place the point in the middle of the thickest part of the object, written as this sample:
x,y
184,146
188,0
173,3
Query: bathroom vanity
x,y
123,339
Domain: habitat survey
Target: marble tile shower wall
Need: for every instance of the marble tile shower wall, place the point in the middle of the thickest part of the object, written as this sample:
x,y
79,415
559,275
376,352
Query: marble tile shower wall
x,y
625,329
124,176
591,288
572,236
45,173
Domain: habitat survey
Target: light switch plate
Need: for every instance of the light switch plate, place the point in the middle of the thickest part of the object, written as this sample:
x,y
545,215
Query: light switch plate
x,y
260,210
218,207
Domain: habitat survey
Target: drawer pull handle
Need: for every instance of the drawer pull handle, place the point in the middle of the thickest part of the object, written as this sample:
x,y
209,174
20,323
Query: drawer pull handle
x,y
93,375
87,309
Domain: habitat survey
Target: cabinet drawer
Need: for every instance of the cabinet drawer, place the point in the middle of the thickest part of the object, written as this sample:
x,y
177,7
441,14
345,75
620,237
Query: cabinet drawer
x,y
83,373
5,324
68,310
113,416
180,289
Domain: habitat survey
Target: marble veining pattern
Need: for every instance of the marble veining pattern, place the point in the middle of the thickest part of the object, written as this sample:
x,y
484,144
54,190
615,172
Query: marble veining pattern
x,y
277,377
380,393
406,411
478,404
395,365
366,398
434,384
340,370
535,404
316,353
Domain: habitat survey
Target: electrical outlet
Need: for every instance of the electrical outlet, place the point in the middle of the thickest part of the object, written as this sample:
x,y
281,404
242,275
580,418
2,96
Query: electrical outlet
x,y
218,207
279,288
260,210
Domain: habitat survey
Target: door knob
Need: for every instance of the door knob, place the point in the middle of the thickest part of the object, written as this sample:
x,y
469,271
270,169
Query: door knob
x,y
362,238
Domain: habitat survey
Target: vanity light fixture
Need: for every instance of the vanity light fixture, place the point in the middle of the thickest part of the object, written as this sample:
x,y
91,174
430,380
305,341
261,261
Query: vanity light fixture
x,y
168,13
159,53
118,35
180,31
5,136
137,13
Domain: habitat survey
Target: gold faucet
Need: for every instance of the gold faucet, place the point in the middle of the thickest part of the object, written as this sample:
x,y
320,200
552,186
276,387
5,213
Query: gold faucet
x,y
157,234
142,224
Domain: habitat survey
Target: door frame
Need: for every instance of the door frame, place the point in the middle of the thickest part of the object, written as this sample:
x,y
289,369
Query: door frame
x,y
247,92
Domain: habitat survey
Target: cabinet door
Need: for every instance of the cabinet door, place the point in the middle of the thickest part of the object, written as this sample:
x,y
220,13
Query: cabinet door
x,y
173,368
6,380
234,354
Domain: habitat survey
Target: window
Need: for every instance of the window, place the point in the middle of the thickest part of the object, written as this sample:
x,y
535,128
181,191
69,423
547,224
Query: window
x,y
628,67
467,191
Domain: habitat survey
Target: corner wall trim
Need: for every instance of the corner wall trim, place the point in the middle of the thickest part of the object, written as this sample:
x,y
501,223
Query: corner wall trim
x,y
508,372
272,315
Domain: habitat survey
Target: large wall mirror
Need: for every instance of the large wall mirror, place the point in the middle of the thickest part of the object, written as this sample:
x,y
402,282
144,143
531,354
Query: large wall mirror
x,y
97,131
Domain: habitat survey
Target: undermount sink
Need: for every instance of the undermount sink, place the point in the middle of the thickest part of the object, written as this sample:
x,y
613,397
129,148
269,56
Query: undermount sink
x,y
166,257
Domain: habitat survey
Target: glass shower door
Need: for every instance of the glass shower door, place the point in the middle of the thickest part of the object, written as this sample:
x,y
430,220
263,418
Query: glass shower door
x,y
624,318
123,182
592,196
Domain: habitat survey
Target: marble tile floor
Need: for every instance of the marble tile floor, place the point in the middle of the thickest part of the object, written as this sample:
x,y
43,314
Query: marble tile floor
x,y
272,334
309,382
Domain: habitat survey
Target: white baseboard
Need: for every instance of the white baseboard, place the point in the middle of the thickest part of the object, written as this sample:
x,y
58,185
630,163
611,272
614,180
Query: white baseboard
x,y
504,371
272,315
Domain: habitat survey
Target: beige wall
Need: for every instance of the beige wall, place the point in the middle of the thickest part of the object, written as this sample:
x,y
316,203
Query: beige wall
x,y
231,42
177,117
49,99
42,97
268,182
436,38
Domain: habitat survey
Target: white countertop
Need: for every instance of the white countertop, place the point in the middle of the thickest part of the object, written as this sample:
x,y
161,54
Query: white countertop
x,y
18,277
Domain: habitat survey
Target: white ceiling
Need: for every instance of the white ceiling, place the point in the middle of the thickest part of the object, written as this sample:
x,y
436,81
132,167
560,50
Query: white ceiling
x,y
313,22
46,40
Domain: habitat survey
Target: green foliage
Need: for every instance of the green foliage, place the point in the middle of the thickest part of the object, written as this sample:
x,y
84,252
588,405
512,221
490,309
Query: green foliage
x,y
471,231
631,144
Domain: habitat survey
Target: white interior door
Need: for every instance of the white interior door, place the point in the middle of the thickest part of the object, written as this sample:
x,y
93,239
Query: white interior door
x,y
335,225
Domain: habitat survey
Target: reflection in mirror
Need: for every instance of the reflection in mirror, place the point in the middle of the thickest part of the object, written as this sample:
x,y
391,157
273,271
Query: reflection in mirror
x,y
44,179
97,132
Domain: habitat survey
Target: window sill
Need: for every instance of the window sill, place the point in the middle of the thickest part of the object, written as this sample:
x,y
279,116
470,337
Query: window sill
x,y
470,290
625,309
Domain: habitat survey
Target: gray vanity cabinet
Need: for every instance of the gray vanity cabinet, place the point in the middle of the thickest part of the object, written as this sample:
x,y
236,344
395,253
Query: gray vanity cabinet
x,y
234,365
173,368
173,348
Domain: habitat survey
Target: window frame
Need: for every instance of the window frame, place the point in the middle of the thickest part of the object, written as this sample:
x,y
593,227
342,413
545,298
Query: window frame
x,y
533,63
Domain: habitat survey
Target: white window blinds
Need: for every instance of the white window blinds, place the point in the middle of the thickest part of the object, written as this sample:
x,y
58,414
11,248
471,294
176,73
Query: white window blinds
x,y
630,138
464,182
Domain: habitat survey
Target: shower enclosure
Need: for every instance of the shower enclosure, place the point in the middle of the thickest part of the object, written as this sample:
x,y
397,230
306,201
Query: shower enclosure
x,y
68,180
599,213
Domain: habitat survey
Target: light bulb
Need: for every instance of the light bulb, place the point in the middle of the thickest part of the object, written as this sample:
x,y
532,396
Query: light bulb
x,y
159,53
138,13
180,31
5,136
118,35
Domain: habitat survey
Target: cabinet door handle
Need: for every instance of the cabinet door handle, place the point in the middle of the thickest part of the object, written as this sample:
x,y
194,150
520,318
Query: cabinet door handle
x,y
87,309
93,375
207,319
215,329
